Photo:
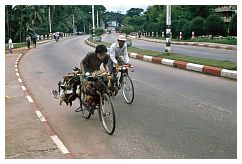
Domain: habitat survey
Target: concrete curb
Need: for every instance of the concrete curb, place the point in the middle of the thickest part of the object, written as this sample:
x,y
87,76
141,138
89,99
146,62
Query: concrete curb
x,y
184,65
192,44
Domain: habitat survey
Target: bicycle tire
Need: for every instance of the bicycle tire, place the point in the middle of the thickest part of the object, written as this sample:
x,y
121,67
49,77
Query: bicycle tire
x,y
108,123
85,112
131,99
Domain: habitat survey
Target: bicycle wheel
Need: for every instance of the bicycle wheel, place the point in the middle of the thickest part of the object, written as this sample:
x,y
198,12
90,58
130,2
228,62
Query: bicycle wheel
x,y
85,112
107,114
128,89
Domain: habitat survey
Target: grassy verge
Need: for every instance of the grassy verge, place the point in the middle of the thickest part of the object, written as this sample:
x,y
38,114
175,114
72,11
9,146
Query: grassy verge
x,y
209,62
228,40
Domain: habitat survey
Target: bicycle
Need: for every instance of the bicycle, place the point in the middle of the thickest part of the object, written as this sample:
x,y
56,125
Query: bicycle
x,y
123,81
92,95
96,98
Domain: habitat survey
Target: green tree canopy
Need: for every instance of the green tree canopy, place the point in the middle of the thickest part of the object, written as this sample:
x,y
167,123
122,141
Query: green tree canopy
x,y
214,25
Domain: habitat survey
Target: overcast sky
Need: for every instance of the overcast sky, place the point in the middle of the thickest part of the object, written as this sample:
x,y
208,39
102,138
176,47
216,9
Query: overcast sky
x,y
123,8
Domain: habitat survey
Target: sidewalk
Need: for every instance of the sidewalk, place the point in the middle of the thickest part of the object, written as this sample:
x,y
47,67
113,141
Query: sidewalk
x,y
27,135
201,44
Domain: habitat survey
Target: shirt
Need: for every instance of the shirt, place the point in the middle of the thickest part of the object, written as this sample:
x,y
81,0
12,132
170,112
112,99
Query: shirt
x,y
92,63
116,51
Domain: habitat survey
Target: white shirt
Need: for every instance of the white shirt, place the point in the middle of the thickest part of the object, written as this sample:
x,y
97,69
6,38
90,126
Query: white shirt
x,y
10,43
116,51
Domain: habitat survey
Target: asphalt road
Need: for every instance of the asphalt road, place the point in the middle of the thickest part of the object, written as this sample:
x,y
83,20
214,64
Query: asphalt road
x,y
175,113
195,51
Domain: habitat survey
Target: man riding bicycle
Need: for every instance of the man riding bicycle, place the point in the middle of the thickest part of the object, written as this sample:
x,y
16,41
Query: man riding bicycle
x,y
91,62
118,55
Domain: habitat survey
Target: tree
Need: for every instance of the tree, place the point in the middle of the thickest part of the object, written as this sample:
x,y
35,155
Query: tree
x,y
134,11
214,25
197,25
180,24
233,26
126,29
186,30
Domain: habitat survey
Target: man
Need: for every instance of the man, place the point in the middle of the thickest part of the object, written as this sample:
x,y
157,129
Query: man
x,y
10,45
34,40
28,40
118,54
93,61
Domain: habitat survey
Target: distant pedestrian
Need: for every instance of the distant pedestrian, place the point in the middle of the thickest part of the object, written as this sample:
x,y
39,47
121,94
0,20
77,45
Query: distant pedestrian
x,y
28,40
34,40
10,45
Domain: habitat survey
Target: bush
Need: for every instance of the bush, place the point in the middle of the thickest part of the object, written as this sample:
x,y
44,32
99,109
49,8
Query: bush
x,y
233,26
99,31
126,29
214,25
186,30
197,26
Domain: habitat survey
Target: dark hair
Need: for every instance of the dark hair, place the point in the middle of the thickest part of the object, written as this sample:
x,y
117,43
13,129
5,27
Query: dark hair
x,y
101,49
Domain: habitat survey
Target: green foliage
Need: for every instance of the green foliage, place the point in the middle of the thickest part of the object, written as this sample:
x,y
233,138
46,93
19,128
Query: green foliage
x,y
214,25
99,31
233,26
186,30
126,29
197,26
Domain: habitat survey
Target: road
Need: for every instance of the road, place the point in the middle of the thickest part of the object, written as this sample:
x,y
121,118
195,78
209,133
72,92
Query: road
x,y
175,113
195,51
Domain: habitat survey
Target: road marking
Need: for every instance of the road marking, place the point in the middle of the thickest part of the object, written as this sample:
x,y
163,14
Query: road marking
x,y
23,88
59,144
39,114
29,99
17,74
16,69
15,66
20,80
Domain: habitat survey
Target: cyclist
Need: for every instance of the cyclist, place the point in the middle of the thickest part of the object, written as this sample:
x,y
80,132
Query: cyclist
x,y
118,55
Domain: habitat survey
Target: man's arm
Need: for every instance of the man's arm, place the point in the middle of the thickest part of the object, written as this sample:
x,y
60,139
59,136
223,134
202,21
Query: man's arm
x,y
126,55
112,54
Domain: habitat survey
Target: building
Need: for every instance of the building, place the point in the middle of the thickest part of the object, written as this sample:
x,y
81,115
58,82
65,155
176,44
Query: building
x,y
226,12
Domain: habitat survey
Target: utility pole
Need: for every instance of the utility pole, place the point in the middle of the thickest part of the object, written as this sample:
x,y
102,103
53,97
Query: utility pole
x,y
93,21
49,20
168,29
73,23
97,20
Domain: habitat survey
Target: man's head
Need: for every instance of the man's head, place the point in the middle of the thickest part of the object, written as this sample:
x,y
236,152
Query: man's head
x,y
101,51
121,40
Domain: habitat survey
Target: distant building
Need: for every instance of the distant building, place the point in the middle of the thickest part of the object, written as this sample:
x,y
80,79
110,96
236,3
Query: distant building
x,y
226,12
111,25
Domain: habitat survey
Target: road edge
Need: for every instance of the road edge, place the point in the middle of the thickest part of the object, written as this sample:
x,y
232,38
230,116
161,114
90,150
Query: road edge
x,y
181,64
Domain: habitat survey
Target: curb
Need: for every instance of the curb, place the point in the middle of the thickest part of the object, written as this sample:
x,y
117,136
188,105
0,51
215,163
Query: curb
x,y
184,65
191,44
44,122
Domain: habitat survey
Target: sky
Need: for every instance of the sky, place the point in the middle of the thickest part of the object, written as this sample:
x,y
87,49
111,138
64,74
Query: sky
x,y
123,8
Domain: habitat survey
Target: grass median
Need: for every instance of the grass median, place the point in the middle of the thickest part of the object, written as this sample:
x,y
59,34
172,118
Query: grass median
x,y
174,56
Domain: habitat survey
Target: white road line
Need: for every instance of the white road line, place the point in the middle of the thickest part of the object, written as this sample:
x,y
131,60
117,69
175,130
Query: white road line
x,y
23,88
29,99
20,80
59,144
39,114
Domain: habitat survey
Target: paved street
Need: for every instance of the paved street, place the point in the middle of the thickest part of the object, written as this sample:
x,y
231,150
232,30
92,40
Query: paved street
x,y
175,114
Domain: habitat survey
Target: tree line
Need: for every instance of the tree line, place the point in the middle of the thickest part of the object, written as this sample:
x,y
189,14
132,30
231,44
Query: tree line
x,y
203,20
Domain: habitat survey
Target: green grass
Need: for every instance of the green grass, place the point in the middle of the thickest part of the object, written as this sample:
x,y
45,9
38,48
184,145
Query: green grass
x,y
17,45
209,62
228,40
